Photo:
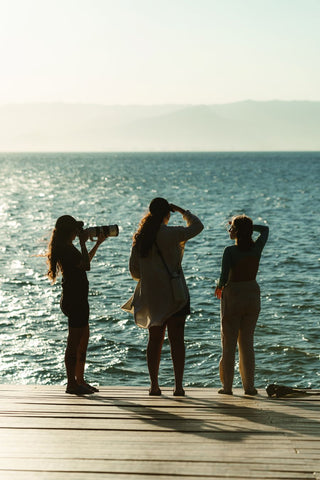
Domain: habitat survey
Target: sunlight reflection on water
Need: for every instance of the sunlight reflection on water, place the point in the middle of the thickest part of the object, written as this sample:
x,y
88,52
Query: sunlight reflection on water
x,y
116,188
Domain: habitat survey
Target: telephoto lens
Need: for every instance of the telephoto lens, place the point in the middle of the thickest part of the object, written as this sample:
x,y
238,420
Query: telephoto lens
x,y
107,230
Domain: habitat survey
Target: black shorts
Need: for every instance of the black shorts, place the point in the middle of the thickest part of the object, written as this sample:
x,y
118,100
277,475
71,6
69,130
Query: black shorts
x,y
77,313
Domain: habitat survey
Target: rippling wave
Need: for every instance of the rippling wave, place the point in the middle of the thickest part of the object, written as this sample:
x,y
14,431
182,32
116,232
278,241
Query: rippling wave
x,y
278,188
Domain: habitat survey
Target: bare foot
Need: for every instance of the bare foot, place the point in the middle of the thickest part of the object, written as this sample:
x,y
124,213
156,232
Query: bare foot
x,y
90,387
225,392
78,390
179,392
252,391
154,392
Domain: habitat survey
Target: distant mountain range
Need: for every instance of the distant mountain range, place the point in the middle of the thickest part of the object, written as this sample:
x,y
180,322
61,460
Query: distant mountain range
x,y
241,126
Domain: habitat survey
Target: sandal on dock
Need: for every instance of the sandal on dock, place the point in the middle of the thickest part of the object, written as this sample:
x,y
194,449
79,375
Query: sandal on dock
x,y
281,391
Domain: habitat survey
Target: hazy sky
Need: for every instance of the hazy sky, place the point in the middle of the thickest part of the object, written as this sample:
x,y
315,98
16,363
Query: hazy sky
x,y
159,51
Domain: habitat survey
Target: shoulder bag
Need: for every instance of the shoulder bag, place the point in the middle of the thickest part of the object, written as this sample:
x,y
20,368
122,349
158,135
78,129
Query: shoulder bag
x,y
179,291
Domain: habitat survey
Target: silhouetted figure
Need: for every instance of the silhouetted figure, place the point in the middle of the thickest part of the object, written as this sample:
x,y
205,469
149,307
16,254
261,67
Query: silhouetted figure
x,y
73,264
155,259
240,301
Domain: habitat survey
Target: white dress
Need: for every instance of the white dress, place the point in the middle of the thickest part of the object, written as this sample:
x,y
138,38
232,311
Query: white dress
x,y
152,302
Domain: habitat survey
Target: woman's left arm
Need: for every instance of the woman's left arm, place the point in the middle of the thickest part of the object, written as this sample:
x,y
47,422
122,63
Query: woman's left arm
x,y
263,237
101,239
194,224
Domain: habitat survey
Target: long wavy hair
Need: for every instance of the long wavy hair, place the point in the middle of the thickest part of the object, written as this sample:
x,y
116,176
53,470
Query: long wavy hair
x,y
243,226
65,227
149,226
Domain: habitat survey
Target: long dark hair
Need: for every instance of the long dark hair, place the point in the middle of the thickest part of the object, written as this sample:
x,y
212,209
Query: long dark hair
x,y
243,226
148,228
65,227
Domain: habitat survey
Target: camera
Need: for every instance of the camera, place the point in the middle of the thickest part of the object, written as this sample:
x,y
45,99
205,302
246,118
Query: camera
x,y
107,230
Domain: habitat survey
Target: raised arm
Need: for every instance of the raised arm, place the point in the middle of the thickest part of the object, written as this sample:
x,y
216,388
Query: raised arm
x,y
263,237
85,260
101,239
194,225
88,256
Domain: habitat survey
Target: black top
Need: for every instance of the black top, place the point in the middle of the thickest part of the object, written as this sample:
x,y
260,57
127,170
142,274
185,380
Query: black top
x,y
233,254
75,281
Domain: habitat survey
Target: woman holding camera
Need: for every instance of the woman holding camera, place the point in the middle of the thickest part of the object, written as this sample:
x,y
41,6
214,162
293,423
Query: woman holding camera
x,y
63,256
156,254
240,301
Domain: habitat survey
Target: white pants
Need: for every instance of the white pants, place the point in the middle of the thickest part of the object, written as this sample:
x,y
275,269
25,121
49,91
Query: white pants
x,y
240,307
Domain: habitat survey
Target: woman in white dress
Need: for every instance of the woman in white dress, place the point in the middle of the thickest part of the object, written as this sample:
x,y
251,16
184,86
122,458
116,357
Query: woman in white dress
x,y
156,257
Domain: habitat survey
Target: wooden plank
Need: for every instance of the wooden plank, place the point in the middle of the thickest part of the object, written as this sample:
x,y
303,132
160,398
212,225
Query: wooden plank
x,y
14,475
124,433
150,467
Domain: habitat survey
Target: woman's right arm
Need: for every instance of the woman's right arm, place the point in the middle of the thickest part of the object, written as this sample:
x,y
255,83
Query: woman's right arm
x,y
225,268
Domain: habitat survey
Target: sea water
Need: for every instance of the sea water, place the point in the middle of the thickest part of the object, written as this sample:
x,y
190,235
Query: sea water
x,y
277,189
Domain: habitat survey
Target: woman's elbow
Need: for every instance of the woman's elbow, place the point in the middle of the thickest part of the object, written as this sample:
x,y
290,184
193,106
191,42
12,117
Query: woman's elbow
x,y
198,227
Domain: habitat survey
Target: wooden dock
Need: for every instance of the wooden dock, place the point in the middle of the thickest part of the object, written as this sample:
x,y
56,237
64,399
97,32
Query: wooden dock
x,y
121,433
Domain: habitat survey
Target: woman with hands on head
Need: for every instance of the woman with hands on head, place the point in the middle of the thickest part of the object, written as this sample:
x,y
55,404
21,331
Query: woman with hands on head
x,y
156,255
65,257
240,301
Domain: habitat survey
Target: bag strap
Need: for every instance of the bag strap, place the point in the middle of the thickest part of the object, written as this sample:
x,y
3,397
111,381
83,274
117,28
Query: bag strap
x,y
163,260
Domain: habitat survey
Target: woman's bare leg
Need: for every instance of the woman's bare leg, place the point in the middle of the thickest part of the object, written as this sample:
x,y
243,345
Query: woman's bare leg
x,y
81,355
70,358
156,337
176,339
